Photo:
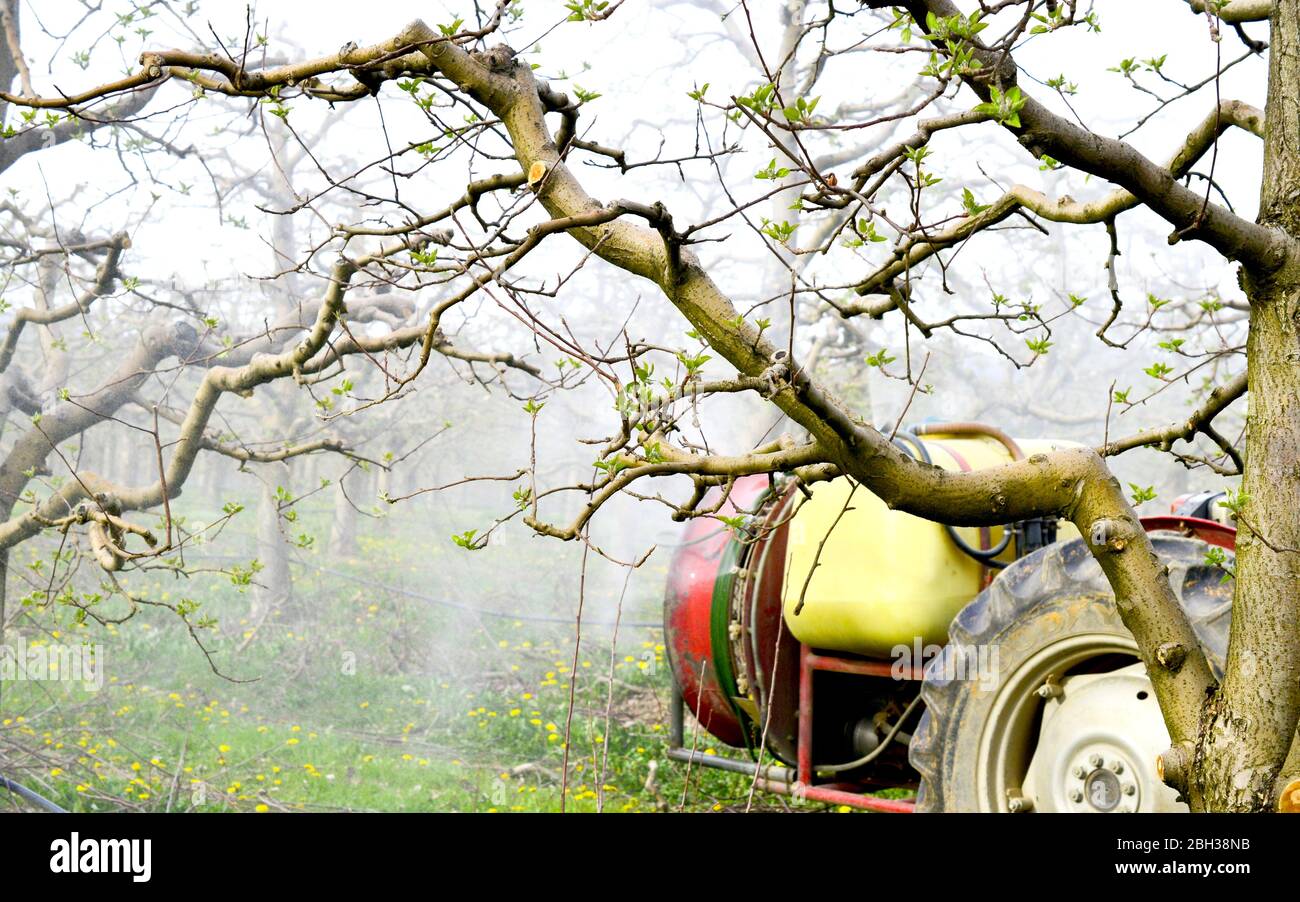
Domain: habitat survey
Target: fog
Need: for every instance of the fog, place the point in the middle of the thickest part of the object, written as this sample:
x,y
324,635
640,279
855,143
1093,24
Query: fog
x,y
364,621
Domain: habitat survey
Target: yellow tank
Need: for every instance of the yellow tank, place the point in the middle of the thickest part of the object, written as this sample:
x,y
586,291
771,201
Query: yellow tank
x,y
886,578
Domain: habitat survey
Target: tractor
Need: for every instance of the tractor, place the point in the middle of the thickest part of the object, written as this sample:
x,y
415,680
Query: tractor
x,y
842,648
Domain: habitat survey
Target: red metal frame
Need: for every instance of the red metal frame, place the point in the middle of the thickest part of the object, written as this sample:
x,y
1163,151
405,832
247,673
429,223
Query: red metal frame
x,y
1211,531
836,794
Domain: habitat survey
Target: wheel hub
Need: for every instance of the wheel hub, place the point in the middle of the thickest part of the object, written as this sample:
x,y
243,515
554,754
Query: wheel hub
x,y
1102,784
1097,745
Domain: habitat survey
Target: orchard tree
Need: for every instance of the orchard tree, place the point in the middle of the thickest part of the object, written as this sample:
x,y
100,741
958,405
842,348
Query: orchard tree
x,y
860,222
85,390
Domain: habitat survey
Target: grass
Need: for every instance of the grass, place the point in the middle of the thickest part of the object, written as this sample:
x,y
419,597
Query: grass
x,y
351,697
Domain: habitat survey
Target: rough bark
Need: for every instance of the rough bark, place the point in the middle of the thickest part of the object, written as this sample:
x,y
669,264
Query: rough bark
x,y
1251,721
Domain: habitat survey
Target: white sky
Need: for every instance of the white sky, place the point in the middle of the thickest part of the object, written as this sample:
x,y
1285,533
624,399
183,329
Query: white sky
x,y
643,62
645,59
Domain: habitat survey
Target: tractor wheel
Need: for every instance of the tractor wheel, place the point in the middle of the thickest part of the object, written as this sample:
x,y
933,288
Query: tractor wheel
x,y
1040,702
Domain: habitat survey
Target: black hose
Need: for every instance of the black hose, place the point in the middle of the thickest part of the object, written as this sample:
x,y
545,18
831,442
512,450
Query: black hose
x,y
914,440
38,800
984,556
875,753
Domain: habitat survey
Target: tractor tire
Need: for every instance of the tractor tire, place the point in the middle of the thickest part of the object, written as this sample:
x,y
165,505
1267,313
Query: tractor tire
x,y
1062,711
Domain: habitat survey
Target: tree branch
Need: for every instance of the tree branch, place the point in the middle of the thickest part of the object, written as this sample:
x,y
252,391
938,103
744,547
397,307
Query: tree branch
x,y
1073,483
1200,420
1043,132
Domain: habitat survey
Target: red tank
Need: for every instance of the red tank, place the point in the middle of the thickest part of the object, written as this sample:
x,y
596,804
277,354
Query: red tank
x,y
688,609
728,650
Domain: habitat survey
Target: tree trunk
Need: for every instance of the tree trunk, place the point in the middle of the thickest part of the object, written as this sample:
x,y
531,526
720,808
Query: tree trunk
x,y
4,587
53,374
343,528
274,582
1251,720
